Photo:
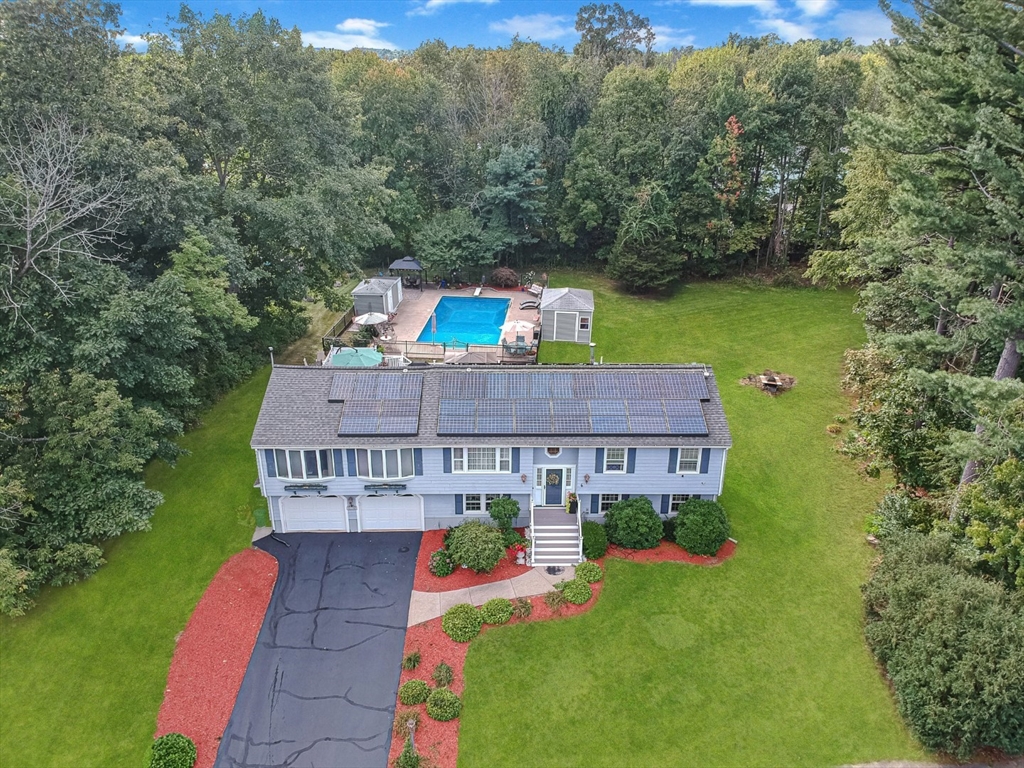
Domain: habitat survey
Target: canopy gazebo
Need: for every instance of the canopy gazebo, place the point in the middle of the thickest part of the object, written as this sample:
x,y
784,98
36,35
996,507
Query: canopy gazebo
x,y
408,264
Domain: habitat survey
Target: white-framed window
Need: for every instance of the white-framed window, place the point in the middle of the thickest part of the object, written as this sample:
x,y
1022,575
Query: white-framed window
x,y
481,460
584,323
689,460
478,503
553,451
304,465
607,499
389,464
677,500
614,460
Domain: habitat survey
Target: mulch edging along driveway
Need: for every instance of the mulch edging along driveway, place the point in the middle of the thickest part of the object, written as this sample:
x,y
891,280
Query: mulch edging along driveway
x,y
213,652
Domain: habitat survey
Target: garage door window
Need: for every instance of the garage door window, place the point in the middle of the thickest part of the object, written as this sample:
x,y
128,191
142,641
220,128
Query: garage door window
x,y
304,465
385,465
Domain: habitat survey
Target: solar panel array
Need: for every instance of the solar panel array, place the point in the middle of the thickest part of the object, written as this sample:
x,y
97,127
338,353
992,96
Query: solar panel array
x,y
615,403
378,403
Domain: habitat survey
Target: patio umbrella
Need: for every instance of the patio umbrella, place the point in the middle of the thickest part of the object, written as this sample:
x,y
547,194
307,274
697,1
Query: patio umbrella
x,y
370,318
519,326
356,357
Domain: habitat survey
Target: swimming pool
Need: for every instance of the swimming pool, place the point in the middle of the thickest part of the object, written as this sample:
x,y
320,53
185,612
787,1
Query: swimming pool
x,y
467,320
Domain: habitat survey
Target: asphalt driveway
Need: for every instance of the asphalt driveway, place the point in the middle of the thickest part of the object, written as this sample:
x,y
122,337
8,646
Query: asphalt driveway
x,y
321,684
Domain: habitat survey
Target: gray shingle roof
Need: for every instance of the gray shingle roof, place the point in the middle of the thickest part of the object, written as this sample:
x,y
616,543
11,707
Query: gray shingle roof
x,y
296,412
375,286
570,299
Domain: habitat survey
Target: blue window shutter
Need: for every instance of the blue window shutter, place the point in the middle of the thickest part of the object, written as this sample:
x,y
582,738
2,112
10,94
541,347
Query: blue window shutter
x,y
515,460
271,466
631,460
351,462
458,503
446,457
599,462
417,460
339,462
673,460
705,459
595,504
665,500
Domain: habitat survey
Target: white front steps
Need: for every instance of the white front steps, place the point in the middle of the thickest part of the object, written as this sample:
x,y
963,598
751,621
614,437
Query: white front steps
x,y
556,540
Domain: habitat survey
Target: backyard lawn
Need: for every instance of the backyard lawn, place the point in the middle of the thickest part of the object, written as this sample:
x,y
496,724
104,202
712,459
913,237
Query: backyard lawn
x,y
83,673
760,661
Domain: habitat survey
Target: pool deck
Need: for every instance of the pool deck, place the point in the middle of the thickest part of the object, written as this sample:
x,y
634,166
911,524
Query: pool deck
x,y
416,307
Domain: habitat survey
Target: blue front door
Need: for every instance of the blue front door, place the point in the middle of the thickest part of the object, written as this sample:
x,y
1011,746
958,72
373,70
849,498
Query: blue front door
x,y
553,494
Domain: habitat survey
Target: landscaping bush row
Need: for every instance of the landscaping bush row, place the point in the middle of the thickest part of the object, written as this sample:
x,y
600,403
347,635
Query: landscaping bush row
x,y
701,527
463,622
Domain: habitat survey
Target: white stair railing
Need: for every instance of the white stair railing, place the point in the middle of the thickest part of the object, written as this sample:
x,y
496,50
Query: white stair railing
x,y
579,528
532,539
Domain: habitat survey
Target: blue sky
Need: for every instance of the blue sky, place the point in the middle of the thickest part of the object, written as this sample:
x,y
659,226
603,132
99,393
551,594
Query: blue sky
x,y
404,24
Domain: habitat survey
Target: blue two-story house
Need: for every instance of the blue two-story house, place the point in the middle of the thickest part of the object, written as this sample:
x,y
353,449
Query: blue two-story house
x,y
429,447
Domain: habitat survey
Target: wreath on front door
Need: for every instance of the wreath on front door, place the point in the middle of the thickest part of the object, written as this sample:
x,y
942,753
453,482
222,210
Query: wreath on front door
x,y
554,479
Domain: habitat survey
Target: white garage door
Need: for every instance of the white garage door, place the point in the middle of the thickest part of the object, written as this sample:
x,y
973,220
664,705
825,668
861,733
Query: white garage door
x,y
313,513
391,513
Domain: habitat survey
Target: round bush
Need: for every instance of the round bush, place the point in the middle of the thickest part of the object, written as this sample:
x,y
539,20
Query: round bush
x,y
589,572
504,512
441,563
577,591
413,692
496,611
633,523
462,622
172,750
701,528
595,540
443,705
477,546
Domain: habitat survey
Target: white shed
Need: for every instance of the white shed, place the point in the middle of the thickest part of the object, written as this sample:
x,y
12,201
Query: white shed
x,y
377,294
566,314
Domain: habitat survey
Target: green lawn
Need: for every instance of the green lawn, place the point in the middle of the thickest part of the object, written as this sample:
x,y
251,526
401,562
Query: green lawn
x,y
758,662
83,674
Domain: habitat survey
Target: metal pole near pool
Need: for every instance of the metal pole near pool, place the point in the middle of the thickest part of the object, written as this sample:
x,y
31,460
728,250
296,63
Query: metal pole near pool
x,y
433,326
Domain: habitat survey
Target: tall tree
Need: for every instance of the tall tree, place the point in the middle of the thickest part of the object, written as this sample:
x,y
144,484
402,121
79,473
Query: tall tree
x,y
612,35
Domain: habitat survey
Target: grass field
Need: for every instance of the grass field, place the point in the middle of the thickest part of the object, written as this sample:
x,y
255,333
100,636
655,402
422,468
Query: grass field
x,y
758,662
83,674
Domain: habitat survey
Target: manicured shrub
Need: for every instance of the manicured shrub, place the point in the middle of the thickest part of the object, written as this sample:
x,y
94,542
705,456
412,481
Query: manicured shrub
x,y
504,277
496,611
702,527
443,705
172,750
411,660
441,563
951,642
555,600
589,572
577,591
408,758
476,545
510,537
633,523
504,512
462,622
522,608
595,540
443,675
669,529
413,692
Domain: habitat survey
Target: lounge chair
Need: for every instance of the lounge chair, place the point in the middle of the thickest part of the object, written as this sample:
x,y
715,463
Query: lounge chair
x,y
529,304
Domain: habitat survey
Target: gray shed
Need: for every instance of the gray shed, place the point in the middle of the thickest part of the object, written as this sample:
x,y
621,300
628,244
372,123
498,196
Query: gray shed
x,y
377,294
566,314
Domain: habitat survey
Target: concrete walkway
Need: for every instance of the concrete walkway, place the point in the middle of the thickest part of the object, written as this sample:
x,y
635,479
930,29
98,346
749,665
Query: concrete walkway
x,y
425,606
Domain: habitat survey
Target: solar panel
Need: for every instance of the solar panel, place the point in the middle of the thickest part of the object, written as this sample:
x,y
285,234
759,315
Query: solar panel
x,y
610,424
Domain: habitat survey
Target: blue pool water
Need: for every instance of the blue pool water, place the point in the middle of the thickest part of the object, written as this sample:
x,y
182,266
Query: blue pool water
x,y
467,320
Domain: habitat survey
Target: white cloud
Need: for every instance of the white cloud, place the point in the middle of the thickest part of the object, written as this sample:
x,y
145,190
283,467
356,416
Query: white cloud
x,y
788,30
764,6
137,41
351,33
433,6
666,38
815,7
863,26
539,26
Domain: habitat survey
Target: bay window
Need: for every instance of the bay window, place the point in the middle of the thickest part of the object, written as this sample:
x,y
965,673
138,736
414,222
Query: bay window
x,y
304,465
389,464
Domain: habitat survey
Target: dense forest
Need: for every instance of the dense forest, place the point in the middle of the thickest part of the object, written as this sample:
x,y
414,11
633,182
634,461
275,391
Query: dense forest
x,y
163,215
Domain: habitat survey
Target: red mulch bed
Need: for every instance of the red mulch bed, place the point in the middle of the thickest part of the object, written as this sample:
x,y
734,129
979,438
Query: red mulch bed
x,y
463,577
213,652
440,741
667,552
